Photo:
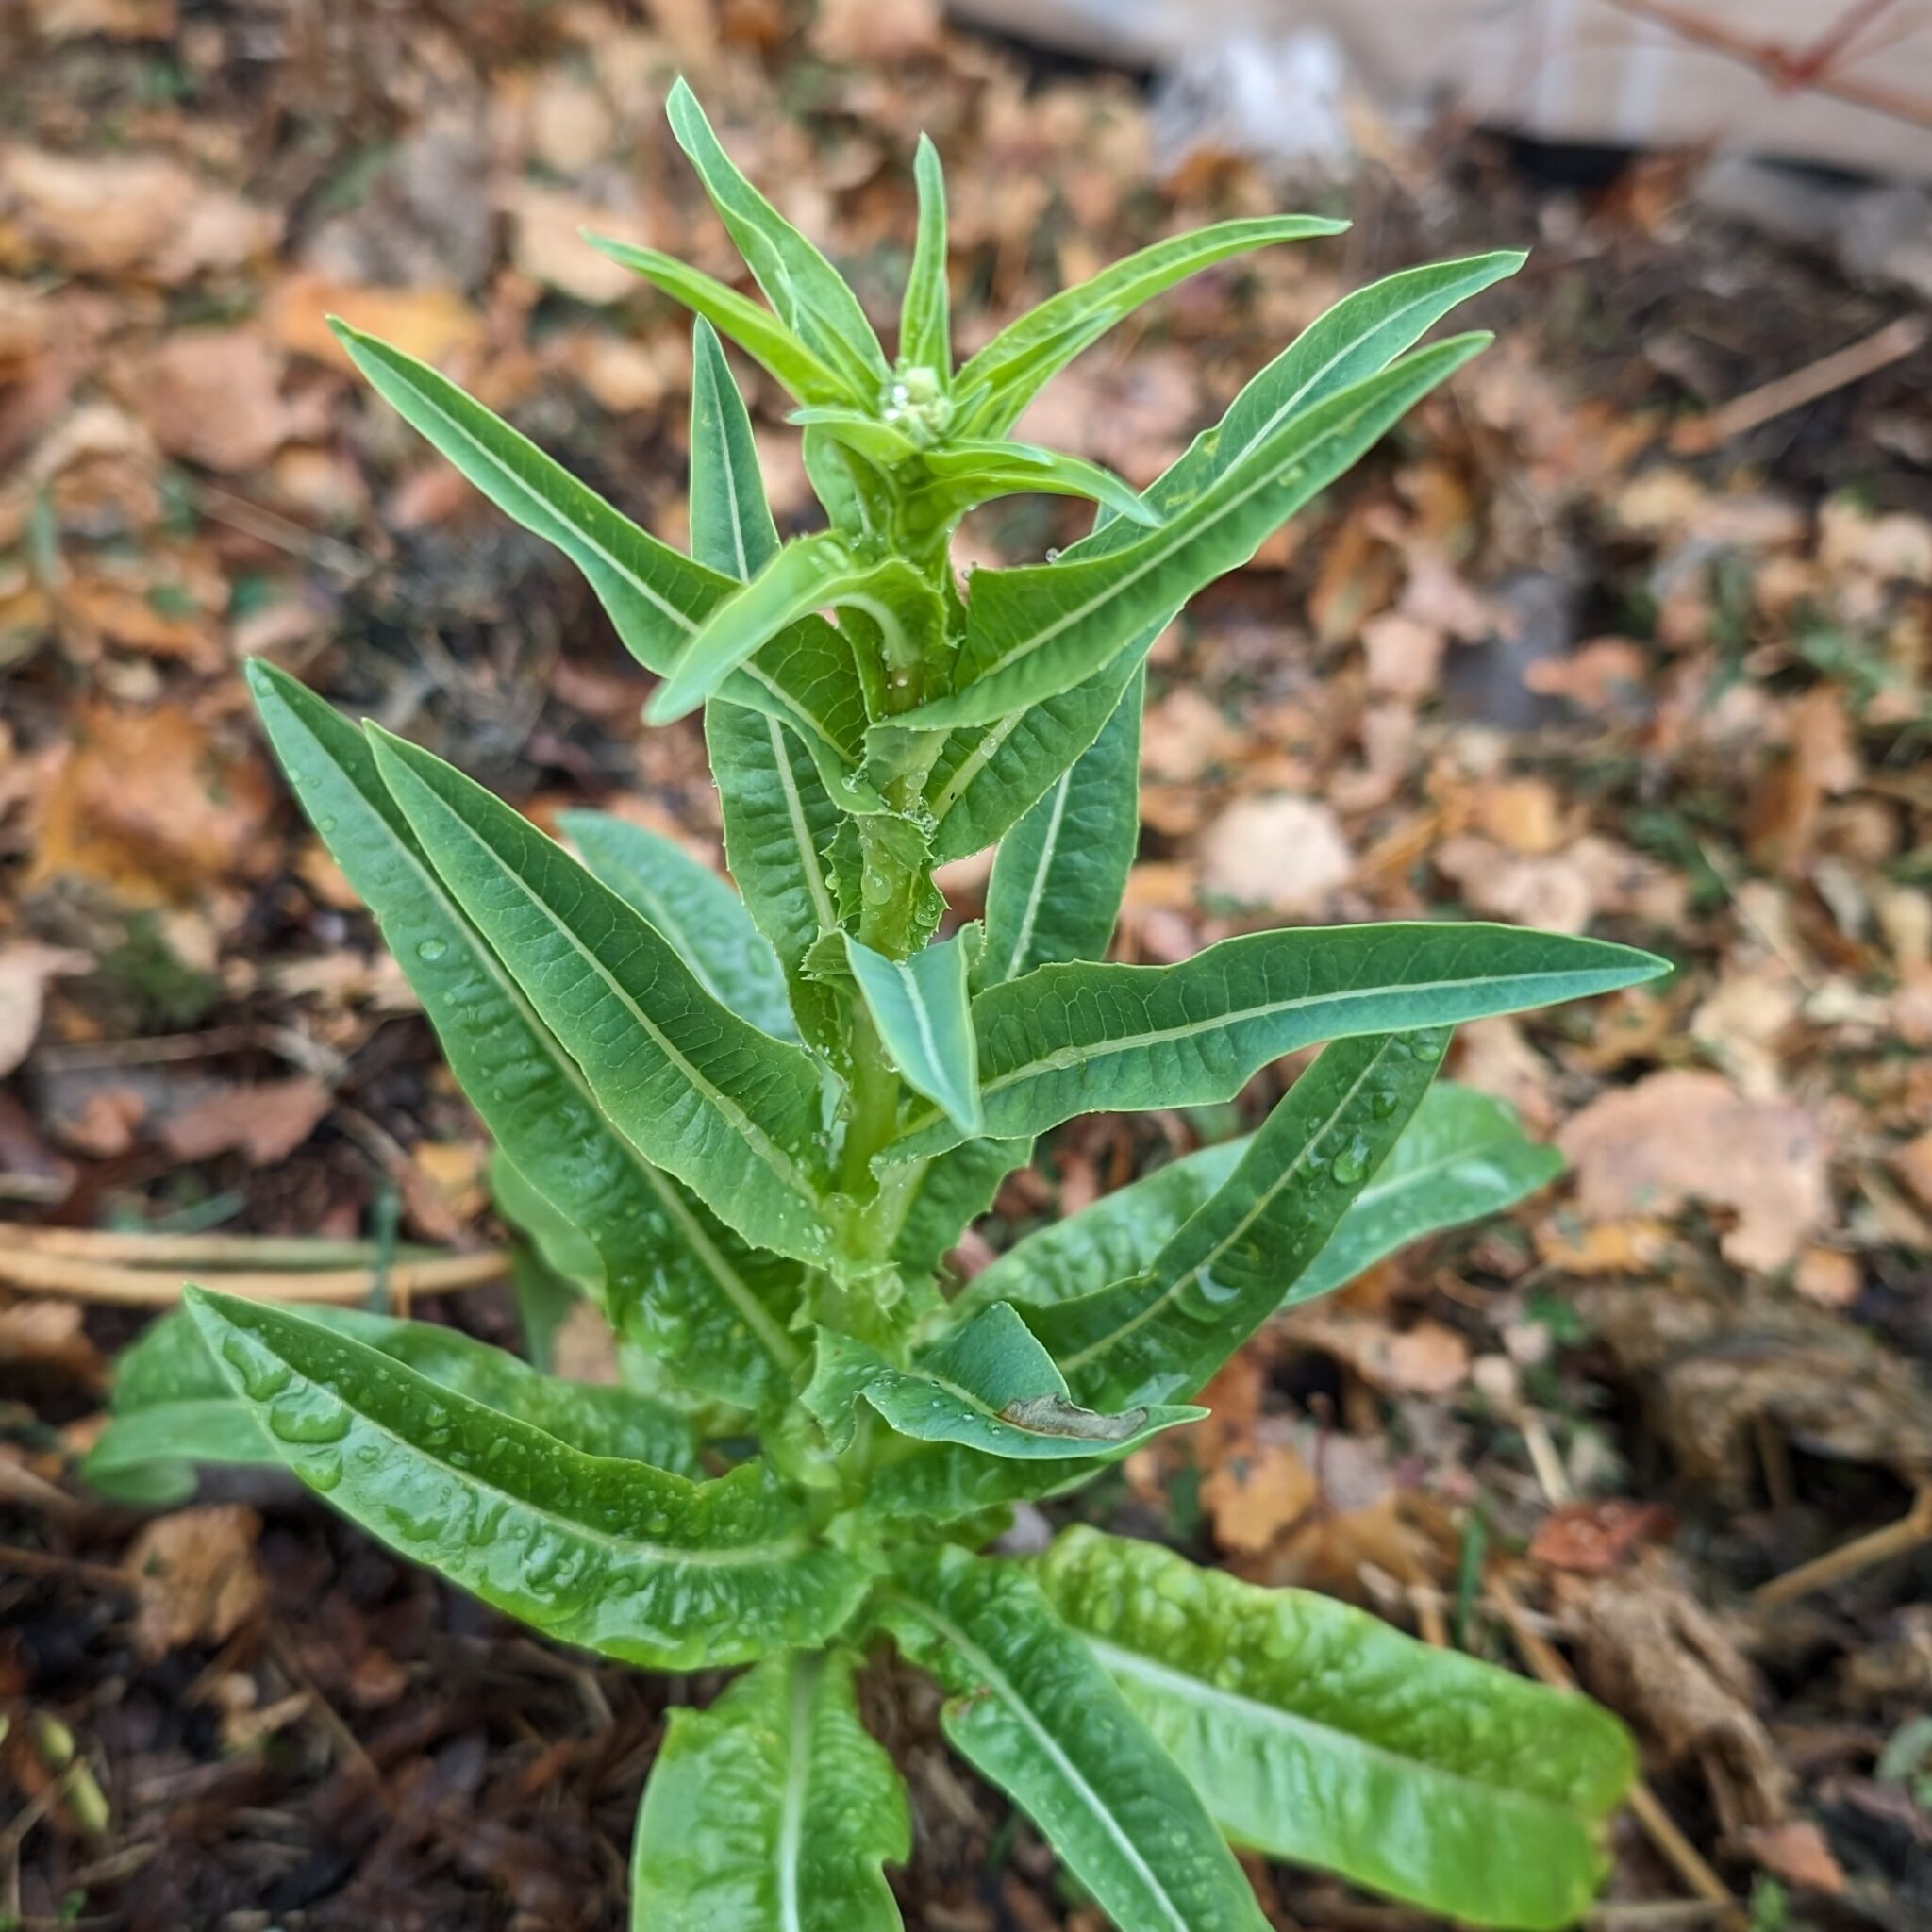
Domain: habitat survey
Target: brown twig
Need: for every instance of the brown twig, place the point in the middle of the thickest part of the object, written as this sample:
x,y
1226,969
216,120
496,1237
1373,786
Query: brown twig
x,y
1897,340
101,1281
1780,67
215,1251
1895,1540
1659,1825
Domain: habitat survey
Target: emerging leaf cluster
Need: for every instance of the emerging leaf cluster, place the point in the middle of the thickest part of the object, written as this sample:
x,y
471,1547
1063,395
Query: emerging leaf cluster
x,y
748,1123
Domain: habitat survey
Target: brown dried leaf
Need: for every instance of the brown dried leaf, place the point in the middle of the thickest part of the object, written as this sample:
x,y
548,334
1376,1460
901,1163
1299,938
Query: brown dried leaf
x,y
267,1121
1592,1539
195,1577
26,967
126,213
1282,853
1256,1492
1681,1135
214,396
1650,1651
1796,1851
149,805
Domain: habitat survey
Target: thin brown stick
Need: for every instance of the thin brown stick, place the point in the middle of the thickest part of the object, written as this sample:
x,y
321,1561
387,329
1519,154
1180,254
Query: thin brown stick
x,y
144,1288
1897,340
1659,1825
215,1251
1880,1546
1780,67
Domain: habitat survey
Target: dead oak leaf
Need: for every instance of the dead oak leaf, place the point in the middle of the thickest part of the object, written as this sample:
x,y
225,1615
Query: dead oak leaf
x,y
195,1577
214,396
26,967
151,806
1256,1493
1681,1135
130,213
266,1123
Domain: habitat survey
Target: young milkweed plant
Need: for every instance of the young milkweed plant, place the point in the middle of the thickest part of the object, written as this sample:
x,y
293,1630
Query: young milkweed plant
x,y
749,1123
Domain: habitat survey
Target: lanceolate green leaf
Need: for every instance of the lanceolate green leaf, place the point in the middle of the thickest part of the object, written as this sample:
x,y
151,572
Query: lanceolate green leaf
x,y
1117,1236
756,330
988,1385
731,527
801,285
1316,1733
733,1113
1056,884
919,1007
967,473
772,1811
1357,338
800,580
675,1278
1037,1714
998,383
173,1407
1038,631
1080,1038
693,908
1226,1270
987,776
620,1558
925,327
658,599
1461,1158
780,827
654,595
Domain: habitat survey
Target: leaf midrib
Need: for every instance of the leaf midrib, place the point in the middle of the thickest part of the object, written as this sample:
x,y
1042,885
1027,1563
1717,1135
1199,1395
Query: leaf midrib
x,y
756,1140
1049,848
737,1291
1003,1687
1111,1048
1262,1201
1121,1661
771,1550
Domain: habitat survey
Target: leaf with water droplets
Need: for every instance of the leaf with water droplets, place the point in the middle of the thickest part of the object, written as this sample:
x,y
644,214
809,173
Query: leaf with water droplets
x,y
919,1008
734,1113
771,1811
1462,1157
1058,882
1033,1711
671,1277
1089,1039
1164,1333
985,776
1316,1733
986,1385
1042,630
693,908
173,1411
631,1561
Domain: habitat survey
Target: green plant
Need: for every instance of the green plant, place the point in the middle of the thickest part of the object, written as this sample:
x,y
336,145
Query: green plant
x,y
748,1128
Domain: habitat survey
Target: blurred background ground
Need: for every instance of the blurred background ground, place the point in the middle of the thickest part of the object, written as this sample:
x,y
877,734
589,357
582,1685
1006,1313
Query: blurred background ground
x,y
1609,637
